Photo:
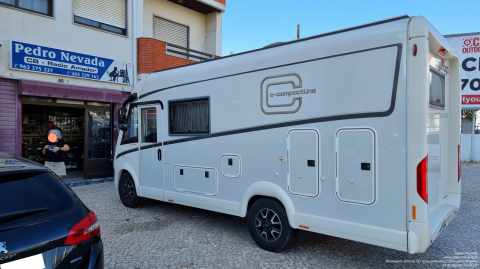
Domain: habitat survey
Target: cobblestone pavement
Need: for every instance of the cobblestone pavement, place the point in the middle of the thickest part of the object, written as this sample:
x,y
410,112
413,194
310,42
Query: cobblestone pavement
x,y
164,235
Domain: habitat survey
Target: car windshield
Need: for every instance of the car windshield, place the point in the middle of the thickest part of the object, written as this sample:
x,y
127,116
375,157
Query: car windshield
x,y
29,195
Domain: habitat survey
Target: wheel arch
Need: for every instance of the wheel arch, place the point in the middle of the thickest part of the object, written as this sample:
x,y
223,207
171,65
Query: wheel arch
x,y
264,189
126,168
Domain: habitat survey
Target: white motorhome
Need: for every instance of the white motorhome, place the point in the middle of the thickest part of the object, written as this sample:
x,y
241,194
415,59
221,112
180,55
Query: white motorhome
x,y
332,134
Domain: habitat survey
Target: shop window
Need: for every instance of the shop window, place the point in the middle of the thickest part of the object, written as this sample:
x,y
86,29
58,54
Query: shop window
x,y
97,104
73,102
60,116
36,99
131,134
149,125
32,122
98,134
189,117
37,6
71,120
107,15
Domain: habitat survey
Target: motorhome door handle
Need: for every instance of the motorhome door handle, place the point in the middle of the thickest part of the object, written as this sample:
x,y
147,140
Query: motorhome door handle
x,y
159,153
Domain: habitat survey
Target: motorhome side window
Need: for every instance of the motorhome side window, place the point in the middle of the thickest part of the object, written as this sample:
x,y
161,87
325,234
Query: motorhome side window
x,y
149,125
131,135
437,89
189,117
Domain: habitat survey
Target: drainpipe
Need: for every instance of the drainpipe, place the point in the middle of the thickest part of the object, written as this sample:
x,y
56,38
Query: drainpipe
x,y
134,40
473,134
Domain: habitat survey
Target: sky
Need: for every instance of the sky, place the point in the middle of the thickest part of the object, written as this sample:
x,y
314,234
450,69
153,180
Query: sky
x,y
252,24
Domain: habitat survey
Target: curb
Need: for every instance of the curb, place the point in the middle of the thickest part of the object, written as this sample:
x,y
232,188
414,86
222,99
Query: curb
x,y
82,182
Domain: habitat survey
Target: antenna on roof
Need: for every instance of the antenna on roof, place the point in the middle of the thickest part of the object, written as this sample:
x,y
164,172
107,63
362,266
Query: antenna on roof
x,y
298,31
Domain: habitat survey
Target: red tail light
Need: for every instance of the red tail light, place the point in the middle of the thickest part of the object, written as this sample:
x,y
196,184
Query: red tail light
x,y
415,50
85,229
459,164
422,179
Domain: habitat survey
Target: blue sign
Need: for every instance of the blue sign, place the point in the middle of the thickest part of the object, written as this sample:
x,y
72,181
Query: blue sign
x,y
41,59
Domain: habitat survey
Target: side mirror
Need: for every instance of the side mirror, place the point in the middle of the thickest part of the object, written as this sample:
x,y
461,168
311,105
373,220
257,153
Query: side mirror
x,y
122,119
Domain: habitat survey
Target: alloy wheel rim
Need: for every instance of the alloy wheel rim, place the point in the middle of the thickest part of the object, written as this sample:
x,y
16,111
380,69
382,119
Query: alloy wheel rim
x,y
268,225
128,189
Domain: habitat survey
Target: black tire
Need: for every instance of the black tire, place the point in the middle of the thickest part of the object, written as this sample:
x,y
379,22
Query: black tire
x,y
268,225
128,192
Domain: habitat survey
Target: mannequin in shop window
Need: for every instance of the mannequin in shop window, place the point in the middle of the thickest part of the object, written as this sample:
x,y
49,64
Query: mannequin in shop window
x,y
53,151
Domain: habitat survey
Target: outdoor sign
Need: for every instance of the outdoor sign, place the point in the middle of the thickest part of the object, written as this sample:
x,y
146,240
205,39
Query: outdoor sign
x,y
41,59
468,48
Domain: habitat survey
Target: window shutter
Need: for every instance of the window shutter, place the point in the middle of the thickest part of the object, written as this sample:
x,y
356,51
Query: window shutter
x,y
170,32
111,12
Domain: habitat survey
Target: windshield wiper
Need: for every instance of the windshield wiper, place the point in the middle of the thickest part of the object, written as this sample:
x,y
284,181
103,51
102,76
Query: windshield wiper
x,y
18,214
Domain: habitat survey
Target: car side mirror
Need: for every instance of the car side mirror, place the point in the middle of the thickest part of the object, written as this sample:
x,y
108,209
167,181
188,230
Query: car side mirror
x,y
122,119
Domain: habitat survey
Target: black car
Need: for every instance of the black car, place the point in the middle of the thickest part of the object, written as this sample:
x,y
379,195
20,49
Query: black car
x,y
42,220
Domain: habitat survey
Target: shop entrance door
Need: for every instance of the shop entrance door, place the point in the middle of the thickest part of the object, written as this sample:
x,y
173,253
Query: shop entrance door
x,y
98,143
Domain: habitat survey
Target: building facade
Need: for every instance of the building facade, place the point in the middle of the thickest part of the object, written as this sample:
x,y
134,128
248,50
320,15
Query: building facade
x,y
74,62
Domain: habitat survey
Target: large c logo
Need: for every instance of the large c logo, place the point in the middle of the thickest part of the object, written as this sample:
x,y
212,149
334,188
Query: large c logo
x,y
292,78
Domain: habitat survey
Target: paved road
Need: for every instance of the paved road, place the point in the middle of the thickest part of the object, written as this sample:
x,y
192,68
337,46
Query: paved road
x,y
164,235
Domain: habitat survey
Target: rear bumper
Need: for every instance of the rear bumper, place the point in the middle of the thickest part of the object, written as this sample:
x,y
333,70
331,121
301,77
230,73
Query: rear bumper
x,y
96,254
439,218
421,235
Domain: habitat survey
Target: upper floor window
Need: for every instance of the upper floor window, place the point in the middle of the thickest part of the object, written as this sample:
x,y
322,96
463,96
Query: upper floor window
x,y
172,33
108,15
38,6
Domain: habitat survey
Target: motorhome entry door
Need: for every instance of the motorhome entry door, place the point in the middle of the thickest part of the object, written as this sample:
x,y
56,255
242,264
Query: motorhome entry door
x,y
303,169
151,151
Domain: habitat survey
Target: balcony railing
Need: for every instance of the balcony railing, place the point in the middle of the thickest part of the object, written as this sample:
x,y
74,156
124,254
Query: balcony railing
x,y
186,53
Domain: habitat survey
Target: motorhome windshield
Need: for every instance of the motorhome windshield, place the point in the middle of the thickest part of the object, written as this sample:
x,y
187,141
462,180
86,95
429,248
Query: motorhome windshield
x,y
130,135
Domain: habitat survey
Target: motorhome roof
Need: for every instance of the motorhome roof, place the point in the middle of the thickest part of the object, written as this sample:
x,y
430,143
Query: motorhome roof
x,y
278,44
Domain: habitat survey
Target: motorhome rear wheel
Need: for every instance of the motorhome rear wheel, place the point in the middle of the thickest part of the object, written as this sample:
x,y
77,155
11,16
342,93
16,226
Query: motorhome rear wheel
x,y
268,225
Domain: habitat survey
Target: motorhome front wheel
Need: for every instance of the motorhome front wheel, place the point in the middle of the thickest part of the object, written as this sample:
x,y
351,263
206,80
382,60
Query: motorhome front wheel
x,y
127,191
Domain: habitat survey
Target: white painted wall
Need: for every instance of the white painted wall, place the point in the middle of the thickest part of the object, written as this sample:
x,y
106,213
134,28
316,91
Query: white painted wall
x,y
176,13
61,32
467,146
466,142
213,28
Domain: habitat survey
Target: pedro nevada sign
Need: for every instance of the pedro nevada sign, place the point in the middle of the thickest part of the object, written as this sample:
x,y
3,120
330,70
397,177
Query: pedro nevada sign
x,y
41,59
